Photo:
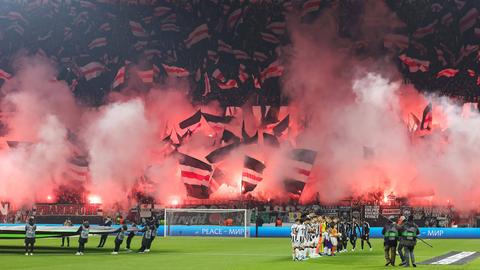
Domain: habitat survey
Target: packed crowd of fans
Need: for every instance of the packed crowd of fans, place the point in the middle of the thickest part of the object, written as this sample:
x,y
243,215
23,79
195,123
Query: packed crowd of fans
x,y
226,50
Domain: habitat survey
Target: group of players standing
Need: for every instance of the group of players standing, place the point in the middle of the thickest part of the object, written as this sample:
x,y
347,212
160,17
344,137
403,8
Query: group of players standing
x,y
316,236
148,229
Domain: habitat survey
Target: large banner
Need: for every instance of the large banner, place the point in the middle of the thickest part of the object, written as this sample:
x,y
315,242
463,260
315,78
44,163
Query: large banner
x,y
67,210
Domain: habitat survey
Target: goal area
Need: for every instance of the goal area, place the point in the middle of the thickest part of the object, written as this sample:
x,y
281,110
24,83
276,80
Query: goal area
x,y
206,222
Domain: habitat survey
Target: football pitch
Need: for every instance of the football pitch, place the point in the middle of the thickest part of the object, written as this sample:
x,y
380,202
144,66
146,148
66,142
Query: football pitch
x,y
213,253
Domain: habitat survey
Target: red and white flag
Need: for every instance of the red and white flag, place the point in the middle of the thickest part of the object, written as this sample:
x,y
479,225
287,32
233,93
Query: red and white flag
x,y
277,27
146,75
240,55
448,72
252,173
17,28
212,55
119,78
234,18
224,47
207,88
218,75
173,71
87,4
447,19
195,175
310,6
160,11
16,16
137,29
468,20
97,43
228,84
198,34
275,69
5,75
169,27
413,64
271,38
426,30
92,70
259,56
105,27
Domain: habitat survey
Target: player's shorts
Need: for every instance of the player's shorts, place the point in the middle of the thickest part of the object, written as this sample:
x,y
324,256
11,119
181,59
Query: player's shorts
x,y
365,237
29,240
334,241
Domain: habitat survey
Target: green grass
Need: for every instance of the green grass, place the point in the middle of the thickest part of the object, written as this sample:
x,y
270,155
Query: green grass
x,y
211,253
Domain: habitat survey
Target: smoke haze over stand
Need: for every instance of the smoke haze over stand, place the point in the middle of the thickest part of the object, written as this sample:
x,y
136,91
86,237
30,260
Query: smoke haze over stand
x,y
340,104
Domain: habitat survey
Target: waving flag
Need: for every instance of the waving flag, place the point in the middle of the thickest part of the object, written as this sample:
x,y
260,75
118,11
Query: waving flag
x,y
240,55
77,169
426,30
413,64
98,42
137,29
468,20
198,34
92,70
105,27
5,75
281,126
119,78
192,120
269,38
427,118
160,11
169,27
259,56
301,163
207,88
275,69
448,72
447,19
175,71
277,27
233,18
252,173
310,6
146,76
228,84
196,176
224,47
218,75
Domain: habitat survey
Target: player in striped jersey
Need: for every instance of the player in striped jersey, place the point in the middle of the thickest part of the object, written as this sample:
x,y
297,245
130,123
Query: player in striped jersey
x,y
293,235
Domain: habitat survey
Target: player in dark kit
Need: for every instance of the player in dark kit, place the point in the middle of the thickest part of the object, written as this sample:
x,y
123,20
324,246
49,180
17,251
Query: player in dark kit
x,y
353,230
30,229
154,226
409,232
130,236
390,238
83,239
343,239
103,238
119,239
365,236
147,236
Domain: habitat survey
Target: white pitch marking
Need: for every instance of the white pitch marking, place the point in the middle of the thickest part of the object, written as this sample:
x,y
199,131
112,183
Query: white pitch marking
x,y
454,258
